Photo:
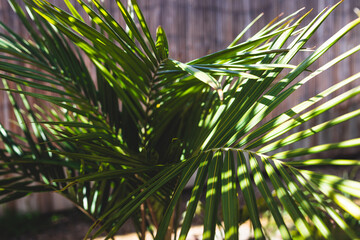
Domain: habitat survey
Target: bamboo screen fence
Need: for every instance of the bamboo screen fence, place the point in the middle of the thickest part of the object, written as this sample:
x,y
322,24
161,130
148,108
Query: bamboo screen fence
x,y
198,27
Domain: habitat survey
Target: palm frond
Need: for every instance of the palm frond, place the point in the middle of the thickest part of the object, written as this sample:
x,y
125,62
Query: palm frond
x,y
132,136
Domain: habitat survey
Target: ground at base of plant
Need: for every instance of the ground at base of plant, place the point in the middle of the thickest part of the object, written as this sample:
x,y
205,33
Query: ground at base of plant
x,y
66,225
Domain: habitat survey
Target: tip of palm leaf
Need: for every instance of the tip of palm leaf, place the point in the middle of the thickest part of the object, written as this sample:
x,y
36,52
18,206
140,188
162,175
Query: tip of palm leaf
x,y
221,94
357,12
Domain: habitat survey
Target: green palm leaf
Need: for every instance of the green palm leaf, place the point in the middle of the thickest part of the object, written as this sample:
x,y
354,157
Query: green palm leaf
x,y
124,143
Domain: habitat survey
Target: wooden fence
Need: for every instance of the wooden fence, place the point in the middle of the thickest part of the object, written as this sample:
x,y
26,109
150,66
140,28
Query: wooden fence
x,y
198,27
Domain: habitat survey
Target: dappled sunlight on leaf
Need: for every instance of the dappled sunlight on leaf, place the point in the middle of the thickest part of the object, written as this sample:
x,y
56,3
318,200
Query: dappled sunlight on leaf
x,y
128,127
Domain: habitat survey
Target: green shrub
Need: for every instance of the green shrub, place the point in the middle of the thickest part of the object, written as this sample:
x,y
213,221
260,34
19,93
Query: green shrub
x,y
123,143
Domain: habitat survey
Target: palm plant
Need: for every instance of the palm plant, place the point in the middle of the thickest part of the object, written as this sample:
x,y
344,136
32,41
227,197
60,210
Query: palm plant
x,y
123,140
